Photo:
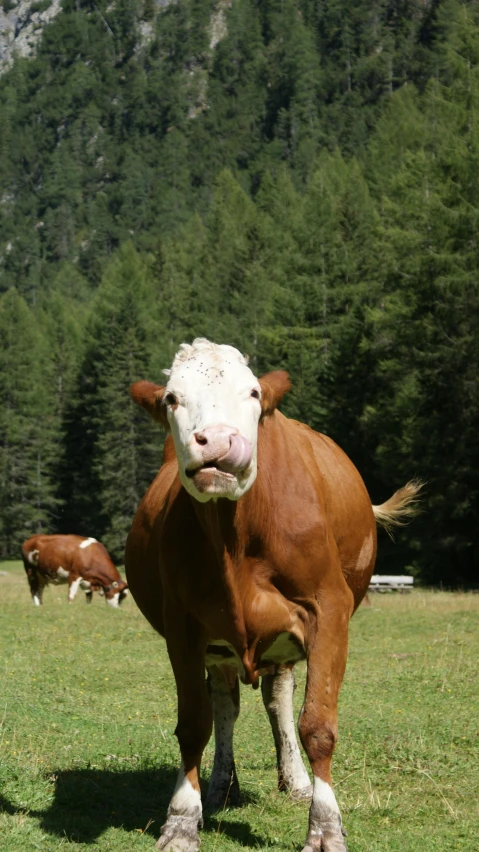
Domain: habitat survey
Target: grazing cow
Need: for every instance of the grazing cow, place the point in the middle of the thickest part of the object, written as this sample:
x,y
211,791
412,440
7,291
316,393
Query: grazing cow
x,y
73,559
249,552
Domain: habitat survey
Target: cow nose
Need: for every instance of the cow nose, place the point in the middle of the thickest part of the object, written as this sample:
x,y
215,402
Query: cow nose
x,y
215,440
224,444
201,438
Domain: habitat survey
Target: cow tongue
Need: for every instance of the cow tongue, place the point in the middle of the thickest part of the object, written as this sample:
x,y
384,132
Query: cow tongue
x,y
238,456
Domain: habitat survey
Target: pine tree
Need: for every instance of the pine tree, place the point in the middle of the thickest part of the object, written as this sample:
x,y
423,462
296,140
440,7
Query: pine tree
x,y
29,427
427,401
112,452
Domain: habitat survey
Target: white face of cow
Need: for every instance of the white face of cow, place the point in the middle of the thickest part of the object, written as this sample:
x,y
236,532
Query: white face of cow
x,y
213,408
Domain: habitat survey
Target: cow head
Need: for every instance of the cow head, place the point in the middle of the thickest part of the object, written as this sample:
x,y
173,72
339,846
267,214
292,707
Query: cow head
x,y
213,404
115,593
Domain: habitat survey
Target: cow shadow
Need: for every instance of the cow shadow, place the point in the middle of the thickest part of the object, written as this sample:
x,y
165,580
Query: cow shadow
x,y
89,801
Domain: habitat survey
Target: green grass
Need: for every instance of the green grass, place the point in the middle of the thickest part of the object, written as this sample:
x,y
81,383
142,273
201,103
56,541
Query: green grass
x,y
88,757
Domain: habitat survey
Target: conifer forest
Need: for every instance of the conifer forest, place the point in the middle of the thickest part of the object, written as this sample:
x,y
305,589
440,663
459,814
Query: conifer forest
x,y
298,178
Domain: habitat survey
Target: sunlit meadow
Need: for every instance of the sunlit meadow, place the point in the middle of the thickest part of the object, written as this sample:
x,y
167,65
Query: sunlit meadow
x,y
88,755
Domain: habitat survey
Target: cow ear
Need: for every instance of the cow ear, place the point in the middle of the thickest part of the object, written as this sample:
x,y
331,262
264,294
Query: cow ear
x,y
273,387
150,397
169,451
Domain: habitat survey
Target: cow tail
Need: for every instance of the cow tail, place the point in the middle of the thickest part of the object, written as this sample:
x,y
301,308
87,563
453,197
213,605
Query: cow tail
x,y
400,508
30,557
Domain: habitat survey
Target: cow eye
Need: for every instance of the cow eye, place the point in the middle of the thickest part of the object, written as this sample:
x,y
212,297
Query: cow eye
x,y
170,398
255,393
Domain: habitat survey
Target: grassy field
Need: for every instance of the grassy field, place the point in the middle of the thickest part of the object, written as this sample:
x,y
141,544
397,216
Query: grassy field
x,y
88,757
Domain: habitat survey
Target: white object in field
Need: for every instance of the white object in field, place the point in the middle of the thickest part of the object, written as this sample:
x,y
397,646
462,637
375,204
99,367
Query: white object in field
x,y
390,583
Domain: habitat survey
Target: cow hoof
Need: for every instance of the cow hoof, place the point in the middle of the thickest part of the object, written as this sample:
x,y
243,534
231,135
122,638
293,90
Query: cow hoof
x,y
302,795
178,844
226,795
179,834
326,843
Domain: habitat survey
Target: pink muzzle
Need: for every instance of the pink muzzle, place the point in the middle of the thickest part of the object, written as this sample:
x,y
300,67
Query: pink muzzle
x,y
224,447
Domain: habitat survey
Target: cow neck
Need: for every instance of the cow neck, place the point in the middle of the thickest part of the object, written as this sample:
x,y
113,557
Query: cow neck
x,y
234,528
229,525
218,520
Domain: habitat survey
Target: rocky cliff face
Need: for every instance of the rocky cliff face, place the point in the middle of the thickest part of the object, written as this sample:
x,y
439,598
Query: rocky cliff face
x,y
22,23
21,26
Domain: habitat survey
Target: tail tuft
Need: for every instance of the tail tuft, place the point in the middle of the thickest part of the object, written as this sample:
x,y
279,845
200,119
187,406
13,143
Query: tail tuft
x,y
401,507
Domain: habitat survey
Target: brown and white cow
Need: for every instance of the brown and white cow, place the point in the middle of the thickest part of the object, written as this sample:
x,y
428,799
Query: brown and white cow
x,y
249,552
80,562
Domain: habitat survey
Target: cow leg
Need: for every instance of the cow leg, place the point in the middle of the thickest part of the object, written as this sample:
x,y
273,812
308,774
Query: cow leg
x,y
37,595
277,690
88,596
73,589
36,587
186,649
224,787
318,721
